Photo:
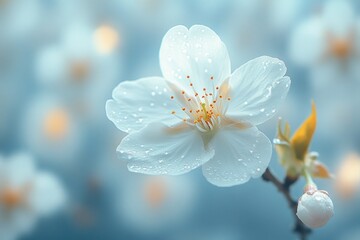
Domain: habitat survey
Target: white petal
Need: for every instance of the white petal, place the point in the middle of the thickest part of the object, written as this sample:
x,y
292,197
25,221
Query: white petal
x,y
308,42
137,103
158,149
197,52
47,194
257,89
239,155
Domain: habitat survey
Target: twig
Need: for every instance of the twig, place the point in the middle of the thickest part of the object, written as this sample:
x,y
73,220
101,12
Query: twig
x,y
299,227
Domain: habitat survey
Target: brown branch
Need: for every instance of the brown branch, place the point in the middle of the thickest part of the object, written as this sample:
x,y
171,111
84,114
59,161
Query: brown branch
x,y
299,227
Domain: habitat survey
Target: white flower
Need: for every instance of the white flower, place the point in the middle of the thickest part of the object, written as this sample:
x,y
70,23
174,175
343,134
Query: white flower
x,y
199,113
315,208
25,195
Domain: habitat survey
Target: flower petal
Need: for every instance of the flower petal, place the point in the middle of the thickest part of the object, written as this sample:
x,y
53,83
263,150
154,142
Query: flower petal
x,y
239,155
257,89
158,149
195,55
137,103
303,135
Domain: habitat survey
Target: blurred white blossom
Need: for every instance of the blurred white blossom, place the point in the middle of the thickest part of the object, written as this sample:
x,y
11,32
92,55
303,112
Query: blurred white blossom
x,y
50,129
153,203
25,195
329,45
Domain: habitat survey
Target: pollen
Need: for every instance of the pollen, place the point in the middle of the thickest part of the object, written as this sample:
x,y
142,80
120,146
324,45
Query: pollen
x,y
205,110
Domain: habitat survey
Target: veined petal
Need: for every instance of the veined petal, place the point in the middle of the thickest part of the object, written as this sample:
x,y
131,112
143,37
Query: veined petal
x,y
158,149
137,103
196,55
239,155
257,89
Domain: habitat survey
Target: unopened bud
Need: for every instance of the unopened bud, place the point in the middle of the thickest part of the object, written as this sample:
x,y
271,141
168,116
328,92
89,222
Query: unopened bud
x,y
315,208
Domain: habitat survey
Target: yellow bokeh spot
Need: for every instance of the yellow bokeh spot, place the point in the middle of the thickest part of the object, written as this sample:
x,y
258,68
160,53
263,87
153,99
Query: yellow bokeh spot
x,y
348,176
106,39
155,191
56,124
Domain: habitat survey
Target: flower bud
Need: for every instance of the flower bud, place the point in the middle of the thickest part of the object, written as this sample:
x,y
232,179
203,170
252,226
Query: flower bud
x,y
315,208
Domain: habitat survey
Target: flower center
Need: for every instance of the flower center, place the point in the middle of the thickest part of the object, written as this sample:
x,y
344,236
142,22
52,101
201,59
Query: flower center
x,y
204,109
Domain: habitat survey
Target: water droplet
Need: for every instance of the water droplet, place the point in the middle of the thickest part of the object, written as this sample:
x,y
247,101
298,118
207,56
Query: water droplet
x,y
140,109
152,104
262,110
153,93
240,159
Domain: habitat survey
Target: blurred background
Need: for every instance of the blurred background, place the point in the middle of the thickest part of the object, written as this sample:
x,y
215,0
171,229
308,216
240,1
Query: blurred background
x,y
60,60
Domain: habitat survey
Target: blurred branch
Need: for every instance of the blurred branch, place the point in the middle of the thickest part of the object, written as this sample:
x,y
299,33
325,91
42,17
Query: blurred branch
x,y
284,188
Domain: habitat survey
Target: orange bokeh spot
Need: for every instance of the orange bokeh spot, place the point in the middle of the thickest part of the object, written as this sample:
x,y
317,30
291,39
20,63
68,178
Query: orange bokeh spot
x,y
56,124
155,191
79,70
11,198
340,48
